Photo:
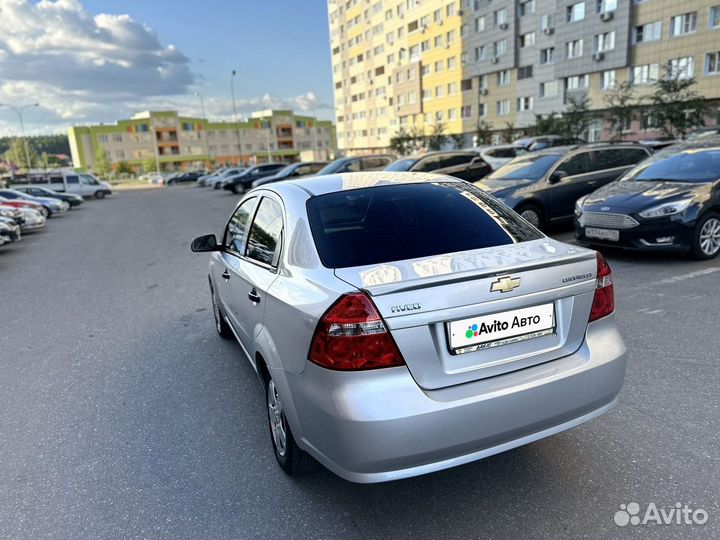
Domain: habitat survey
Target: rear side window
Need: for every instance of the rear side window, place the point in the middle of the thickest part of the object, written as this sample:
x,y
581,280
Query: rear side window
x,y
503,153
577,164
455,160
391,223
374,164
429,164
264,236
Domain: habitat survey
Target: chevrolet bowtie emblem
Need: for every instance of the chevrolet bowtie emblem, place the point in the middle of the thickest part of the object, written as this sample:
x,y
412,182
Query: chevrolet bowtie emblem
x,y
505,284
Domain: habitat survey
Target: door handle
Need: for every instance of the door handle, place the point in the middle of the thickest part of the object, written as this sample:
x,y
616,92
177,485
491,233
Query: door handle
x,y
253,295
225,275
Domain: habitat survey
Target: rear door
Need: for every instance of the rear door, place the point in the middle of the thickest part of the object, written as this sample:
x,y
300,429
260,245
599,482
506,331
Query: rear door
x,y
256,270
611,163
579,180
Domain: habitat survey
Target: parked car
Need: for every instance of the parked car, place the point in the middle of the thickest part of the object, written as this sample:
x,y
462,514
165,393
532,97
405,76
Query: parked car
x,y
33,219
83,184
39,191
543,186
21,204
50,205
391,343
9,231
372,162
670,202
704,133
10,212
216,181
533,144
184,177
498,155
243,181
294,170
467,165
659,144
203,180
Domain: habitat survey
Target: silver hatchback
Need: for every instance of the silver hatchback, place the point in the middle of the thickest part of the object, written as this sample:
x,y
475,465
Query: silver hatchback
x,y
403,323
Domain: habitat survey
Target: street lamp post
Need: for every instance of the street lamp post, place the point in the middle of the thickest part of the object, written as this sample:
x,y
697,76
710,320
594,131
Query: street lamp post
x,y
19,112
235,119
202,106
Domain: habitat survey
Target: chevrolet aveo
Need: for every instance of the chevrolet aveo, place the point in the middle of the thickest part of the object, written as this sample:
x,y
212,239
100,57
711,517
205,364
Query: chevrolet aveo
x,y
403,323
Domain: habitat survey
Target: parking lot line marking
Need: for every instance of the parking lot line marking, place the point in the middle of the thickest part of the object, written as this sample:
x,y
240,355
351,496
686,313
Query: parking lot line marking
x,y
683,277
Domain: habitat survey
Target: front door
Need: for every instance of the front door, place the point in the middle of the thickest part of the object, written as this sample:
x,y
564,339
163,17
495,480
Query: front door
x,y
578,181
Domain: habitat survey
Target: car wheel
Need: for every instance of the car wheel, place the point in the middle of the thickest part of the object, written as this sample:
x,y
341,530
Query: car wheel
x,y
532,214
99,194
293,460
234,189
46,212
222,327
706,238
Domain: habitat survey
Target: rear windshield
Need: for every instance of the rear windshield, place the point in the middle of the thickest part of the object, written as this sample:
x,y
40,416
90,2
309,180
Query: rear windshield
x,y
392,223
527,167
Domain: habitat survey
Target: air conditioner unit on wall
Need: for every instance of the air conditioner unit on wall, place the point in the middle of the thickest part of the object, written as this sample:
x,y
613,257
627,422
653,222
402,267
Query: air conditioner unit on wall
x,y
503,26
483,91
606,16
549,30
494,60
598,56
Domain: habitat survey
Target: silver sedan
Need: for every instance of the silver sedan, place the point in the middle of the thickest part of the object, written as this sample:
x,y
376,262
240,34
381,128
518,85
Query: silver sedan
x,y
403,323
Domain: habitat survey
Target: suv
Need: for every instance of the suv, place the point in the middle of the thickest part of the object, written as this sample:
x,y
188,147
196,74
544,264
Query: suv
x,y
543,186
533,144
373,162
464,165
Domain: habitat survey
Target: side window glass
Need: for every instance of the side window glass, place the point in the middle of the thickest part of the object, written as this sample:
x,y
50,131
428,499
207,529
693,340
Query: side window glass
x,y
265,231
72,179
430,164
608,159
353,166
236,227
633,156
577,164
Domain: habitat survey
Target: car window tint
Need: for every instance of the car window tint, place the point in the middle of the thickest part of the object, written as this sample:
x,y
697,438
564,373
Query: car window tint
x,y
351,166
577,164
390,223
455,160
633,156
265,231
315,167
236,227
72,179
503,153
429,164
373,164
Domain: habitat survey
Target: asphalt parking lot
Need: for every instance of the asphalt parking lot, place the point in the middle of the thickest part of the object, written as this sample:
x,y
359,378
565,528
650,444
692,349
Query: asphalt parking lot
x,y
122,414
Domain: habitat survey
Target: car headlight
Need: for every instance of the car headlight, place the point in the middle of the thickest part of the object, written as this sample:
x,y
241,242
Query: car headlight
x,y
579,204
666,209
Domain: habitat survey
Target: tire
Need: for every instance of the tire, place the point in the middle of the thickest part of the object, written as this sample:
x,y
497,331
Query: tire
x,y
706,237
222,327
532,214
291,458
234,189
46,212
99,194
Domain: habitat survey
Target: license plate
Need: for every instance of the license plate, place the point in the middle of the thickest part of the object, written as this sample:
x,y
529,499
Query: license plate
x,y
502,328
602,234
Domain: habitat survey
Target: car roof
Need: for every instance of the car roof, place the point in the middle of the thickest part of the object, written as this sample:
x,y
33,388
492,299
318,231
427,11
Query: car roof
x,y
332,183
368,156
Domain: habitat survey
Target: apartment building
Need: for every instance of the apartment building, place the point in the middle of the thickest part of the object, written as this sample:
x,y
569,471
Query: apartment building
x,y
415,63
180,142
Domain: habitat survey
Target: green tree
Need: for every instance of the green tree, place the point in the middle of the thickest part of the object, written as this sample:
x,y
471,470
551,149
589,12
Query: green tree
x,y
102,164
437,138
458,140
621,106
483,133
509,132
149,164
124,168
21,154
577,117
416,140
549,124
400,143
676,106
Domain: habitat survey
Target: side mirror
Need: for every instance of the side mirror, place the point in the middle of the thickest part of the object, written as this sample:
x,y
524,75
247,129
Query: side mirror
x,y
557,176
205,243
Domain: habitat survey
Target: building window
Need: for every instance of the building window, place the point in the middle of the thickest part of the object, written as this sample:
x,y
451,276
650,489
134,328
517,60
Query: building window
x,y
712,63
500,17
547,22
549,89
648,32
479,53
527,40
503,107
482,110
682,68
681,25
525,72
577,82
604,6
451,62
714,18
480,24
605,42
574,49
546,55
575,12
439,116
452,114
426,94
103,139
525,103
451,89
465,85
503,78
437,42
438,91
607,81
466,111
450,36
500,47
646,74
526,8
117,138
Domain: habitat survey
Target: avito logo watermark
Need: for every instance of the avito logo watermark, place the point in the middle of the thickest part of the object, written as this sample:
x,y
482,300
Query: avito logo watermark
x,y
679,514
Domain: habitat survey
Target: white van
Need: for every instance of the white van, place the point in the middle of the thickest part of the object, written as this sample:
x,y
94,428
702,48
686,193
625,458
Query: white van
x,y
83,184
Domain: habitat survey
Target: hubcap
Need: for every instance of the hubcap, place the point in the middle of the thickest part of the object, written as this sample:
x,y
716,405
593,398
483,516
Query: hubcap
x,y
277,419
532,217
710,237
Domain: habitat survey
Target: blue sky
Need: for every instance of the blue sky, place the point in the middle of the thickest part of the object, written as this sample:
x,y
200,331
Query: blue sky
x,y
279,48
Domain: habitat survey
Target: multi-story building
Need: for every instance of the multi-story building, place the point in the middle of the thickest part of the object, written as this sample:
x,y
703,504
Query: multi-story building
x,y
179,142
413,64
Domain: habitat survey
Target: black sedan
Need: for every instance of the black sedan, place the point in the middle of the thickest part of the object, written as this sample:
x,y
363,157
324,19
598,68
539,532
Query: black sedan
x,y
190,176
243,181
670,202
39,191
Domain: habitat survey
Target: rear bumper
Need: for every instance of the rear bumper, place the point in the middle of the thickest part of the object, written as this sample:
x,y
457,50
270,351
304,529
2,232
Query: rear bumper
x,y
379,425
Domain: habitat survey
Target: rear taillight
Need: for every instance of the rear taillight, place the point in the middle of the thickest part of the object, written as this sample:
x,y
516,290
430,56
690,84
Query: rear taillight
x,y
604,299
352,336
